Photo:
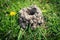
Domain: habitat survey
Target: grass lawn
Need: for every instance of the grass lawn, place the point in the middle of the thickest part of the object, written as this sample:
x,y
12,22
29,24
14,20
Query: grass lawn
x,y
11,30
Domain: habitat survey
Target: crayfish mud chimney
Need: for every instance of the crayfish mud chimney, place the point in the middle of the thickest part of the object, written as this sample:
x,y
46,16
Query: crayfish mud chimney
x,y
30,15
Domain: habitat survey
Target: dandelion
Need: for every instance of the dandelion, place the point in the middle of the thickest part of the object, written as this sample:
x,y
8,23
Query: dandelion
x,y
12,13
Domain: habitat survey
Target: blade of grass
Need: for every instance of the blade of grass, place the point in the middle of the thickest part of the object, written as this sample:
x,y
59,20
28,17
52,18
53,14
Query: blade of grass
x,y
21,32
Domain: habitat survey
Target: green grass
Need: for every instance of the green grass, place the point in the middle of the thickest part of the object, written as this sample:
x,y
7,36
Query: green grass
x,y
10,29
